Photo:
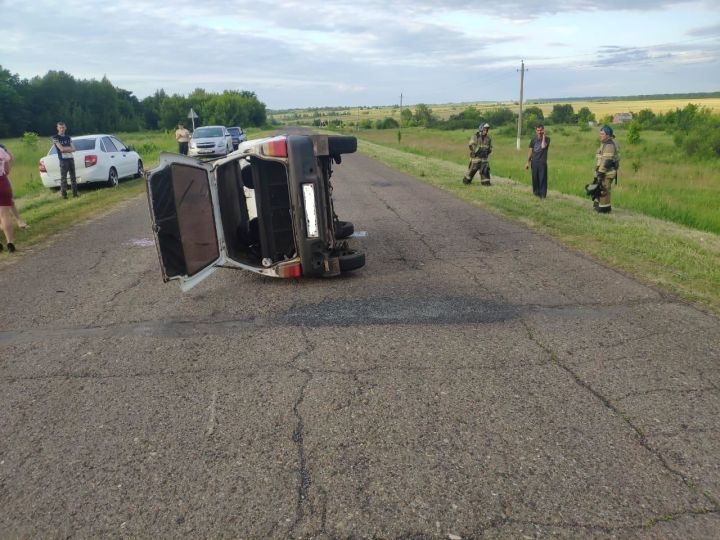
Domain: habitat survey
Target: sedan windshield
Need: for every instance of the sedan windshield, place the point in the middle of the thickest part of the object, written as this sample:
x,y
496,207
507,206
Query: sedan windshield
x,y
204,132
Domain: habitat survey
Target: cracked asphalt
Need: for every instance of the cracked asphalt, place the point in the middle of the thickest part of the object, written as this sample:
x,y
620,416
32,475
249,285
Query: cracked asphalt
x,y
469,382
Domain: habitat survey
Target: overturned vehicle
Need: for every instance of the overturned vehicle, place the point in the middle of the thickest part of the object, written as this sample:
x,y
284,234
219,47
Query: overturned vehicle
x,y
267,207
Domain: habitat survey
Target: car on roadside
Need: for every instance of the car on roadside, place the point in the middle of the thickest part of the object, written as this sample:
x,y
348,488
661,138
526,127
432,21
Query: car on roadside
x,y
210,141
266,208
99,158
238,136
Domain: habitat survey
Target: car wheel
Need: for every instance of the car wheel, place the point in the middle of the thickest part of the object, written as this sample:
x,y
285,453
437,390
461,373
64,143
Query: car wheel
x,y
141,170
343,229
338,144
113,179
351,260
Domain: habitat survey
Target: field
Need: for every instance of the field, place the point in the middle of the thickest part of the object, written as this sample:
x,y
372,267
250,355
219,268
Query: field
x,y
444,111
655,178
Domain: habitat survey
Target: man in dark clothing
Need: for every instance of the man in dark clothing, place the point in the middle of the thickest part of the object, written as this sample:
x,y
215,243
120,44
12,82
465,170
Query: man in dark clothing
x,y
65,149
537,161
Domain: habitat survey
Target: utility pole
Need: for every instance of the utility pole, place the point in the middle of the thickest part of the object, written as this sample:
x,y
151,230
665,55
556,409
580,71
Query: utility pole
x,y
522,82
400,123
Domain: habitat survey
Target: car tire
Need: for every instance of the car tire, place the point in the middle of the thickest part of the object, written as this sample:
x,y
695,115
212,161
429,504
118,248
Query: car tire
x,y
113,179
339,144
141,170
351,260
343,229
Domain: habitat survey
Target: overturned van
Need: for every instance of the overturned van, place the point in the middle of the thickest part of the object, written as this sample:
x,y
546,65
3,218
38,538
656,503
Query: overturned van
x,y
267,207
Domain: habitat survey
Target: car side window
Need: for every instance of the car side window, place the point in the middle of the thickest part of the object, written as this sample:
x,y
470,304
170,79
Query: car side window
x,y
108,144
118,144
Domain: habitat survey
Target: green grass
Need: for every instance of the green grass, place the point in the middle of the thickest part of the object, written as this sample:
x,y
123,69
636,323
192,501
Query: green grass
x,y
655,178
673,257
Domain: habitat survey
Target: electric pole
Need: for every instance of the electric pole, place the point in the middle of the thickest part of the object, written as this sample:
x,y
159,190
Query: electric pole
x,y
522,82
400,123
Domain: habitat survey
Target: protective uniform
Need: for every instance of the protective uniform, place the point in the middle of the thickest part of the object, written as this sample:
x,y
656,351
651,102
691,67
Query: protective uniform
x,y
607,161
480,149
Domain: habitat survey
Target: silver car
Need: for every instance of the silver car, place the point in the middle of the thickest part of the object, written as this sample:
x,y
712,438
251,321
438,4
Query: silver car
x,y
210,141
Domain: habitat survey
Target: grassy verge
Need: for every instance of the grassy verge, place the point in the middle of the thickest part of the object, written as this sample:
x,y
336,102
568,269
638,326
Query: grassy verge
x,y
675,258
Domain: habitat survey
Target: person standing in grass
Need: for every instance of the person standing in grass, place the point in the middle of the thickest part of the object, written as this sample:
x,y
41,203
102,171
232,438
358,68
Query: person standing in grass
x,y
537,161
480,149
8,210
607,161
182,136
65,149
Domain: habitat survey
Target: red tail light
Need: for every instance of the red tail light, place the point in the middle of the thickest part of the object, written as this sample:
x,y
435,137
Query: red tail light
x,y
90,160
291,270
41,166
275,148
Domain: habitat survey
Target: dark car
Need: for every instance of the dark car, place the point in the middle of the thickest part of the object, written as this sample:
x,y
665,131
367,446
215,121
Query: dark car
x,y
267,209
238,136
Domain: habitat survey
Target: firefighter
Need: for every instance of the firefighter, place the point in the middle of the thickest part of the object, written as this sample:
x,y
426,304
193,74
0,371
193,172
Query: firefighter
x,y
480,149
607,162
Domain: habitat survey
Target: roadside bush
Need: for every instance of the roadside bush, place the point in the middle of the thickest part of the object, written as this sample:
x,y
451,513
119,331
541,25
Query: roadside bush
x,y
633,135
386,123
30,139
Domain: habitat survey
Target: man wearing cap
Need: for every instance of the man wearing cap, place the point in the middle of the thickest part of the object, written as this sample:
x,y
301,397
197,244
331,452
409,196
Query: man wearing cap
x,y
607,161
480,149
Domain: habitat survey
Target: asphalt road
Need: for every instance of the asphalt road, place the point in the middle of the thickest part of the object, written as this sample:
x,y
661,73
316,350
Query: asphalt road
x,y
474,379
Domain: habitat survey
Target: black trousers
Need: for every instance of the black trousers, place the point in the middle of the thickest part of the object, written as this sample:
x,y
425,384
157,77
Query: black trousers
x,y
67,166
183,148
539,179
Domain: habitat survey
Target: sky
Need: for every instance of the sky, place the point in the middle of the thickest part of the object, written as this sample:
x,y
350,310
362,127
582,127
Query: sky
x,y
312,53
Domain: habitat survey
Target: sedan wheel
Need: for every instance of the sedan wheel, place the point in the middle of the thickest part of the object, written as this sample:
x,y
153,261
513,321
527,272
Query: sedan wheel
x,y
141,170
113,179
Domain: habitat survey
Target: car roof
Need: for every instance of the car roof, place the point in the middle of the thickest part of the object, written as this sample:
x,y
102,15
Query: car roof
x,y
209,127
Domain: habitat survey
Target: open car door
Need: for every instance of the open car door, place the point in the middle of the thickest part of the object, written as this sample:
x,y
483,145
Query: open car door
x,y
185,219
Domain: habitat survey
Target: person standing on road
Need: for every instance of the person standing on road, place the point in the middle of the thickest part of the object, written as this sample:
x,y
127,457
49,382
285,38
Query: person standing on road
x,y
607,162
8,210
537,161
65,149
182,136
480,149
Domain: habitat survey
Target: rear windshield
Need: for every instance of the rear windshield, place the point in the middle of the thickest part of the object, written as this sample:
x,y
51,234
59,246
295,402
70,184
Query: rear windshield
x,y
80,144
234,131
201,133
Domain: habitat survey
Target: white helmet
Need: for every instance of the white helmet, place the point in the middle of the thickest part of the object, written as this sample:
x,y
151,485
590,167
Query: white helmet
x,y
484,126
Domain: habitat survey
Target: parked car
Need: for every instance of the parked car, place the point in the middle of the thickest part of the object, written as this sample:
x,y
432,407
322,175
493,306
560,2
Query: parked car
x,y
210,141
98,158
266,208
238,136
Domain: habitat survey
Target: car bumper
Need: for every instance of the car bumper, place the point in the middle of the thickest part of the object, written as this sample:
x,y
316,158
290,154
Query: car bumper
x,y
80,178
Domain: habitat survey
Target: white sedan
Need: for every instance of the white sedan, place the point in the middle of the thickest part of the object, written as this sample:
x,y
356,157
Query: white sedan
x,y
98,158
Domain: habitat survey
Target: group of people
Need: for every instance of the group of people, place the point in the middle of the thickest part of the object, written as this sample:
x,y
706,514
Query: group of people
x,y
607,161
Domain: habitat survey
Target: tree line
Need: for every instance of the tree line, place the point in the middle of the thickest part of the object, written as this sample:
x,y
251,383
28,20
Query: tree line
x,y
90,106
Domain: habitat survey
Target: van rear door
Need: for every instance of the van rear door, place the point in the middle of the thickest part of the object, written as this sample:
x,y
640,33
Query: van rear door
x,y
185,219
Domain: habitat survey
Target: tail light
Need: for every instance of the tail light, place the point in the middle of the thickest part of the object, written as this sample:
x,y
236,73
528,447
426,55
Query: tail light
x,y
41,166
90,160
275,148
290,270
